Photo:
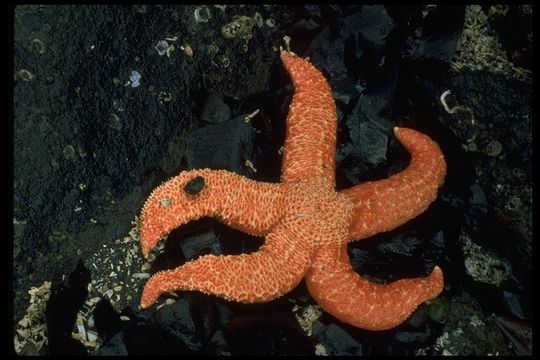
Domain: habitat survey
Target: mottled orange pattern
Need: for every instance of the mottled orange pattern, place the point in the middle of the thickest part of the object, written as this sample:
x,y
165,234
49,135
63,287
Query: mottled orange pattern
x,y
306,223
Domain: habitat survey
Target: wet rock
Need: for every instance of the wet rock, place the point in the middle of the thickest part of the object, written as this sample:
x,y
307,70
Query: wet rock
x,y
186,326
402,245
176,322
468,332
513,25
478,203
266,329
513,303
219,345
344,90
418,317
414,337
519,333
169,330
235,242
438,39
196,244
215,110
226,145
115,347
259,336
492,101
368,143
65,301
389,257
335,340
362,25
107,320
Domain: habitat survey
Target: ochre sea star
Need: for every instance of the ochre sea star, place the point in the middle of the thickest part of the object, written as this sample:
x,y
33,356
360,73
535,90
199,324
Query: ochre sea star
x,y
306,223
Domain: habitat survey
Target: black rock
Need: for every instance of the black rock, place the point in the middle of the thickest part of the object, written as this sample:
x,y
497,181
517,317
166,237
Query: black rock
x,y
335,340
478,205
176,324
107,320
115,347
256,335
518,332
414,337
65,301
215,110
225,145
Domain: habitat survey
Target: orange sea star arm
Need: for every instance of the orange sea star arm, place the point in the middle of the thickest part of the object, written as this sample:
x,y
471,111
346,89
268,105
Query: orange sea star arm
x,y
385,204
310,142
344,294
274,270
251,206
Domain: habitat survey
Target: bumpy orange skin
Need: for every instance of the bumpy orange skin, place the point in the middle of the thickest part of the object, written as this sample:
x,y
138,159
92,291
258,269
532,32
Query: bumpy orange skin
x,y
307,224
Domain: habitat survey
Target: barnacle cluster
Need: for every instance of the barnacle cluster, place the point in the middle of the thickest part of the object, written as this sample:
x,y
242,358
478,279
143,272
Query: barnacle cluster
x,y
480,48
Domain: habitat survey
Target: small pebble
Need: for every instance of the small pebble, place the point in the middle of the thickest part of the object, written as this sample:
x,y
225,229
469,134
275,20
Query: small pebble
x,y
141,275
